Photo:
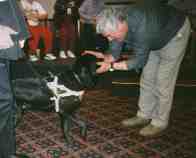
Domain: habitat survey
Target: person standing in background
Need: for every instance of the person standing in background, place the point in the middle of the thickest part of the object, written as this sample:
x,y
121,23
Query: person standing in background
x,y
88,11
36,17
14,32
158,35
65,24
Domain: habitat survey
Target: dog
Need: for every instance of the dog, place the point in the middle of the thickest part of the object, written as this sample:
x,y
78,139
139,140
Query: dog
x,y
57,91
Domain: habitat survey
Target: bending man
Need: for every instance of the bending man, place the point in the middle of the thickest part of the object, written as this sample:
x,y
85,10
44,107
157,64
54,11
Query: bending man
x,y
158,35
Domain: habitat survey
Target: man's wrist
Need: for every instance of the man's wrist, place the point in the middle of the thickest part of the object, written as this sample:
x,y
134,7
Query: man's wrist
x,y
111,66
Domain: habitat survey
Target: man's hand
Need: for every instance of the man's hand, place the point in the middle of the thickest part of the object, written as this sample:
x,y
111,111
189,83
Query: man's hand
x,y
104,67
122,65
108,58
98,55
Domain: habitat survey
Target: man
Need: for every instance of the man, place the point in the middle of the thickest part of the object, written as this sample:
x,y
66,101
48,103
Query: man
x,y
158,35
13,32
36,16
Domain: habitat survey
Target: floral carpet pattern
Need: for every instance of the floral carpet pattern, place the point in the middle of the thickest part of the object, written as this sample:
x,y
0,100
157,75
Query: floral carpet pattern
x,y
39,134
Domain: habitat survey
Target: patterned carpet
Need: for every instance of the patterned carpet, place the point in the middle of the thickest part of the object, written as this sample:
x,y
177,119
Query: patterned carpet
x,y
39,134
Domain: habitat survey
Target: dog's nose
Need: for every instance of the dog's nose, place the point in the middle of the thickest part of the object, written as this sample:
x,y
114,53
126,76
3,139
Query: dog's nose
x,y
81,95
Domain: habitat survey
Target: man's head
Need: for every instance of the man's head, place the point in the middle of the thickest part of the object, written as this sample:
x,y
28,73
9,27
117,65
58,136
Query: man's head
x,y
111,23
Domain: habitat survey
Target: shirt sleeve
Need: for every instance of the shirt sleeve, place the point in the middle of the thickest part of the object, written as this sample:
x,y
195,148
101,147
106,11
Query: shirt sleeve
x,y
139,60
141,51
115,48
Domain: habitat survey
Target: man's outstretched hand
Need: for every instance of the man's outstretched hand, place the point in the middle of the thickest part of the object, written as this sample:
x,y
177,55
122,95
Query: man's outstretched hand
x,y
105,64
104,67
98,55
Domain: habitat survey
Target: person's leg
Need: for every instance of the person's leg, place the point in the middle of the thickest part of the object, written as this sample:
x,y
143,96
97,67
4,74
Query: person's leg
x,y
64,39
34,39
48,38
147,98
171,58
72,40
7,129
33,42
67,38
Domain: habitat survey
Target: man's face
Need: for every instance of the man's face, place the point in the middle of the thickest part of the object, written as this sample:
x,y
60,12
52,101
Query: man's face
x,y
119,34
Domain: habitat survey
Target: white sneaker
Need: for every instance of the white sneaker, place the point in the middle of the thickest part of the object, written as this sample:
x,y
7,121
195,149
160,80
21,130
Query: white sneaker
x,y
49,56
62,54
33,58
70,54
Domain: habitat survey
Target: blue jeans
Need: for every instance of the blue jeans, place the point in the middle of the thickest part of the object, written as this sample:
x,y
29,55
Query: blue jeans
x,y
7,111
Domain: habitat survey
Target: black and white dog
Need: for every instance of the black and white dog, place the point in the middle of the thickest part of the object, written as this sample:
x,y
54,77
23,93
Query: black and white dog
x,y
54,89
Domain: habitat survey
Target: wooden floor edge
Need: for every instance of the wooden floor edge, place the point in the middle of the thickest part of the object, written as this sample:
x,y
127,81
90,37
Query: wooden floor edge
x,y
137,84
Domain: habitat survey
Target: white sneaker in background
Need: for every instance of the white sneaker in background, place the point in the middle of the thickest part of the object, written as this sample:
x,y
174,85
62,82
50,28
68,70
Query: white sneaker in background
x,y
33,58
70,54
49,56
38,52
62,54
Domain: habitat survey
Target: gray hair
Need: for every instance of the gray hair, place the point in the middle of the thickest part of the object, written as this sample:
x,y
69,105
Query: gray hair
x,y
107,20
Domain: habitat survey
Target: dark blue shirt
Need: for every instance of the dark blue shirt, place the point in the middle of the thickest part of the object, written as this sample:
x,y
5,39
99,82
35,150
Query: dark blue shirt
x,y
151,25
